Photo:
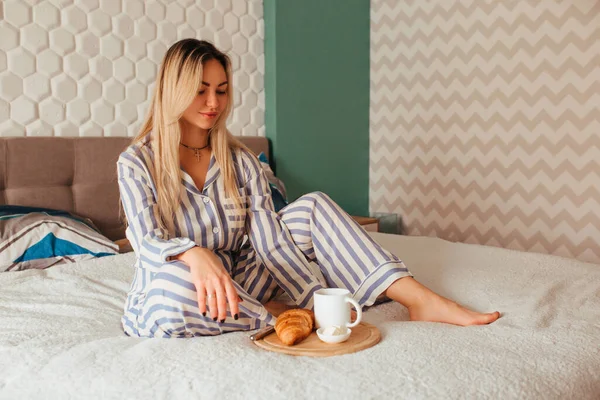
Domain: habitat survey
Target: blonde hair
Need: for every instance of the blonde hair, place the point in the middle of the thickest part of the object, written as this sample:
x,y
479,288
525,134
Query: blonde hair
x,y
177,84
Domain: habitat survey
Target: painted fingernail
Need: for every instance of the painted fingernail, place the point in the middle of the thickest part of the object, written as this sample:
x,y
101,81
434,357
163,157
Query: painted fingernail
x,y
223,320
204,314
236,317
215,318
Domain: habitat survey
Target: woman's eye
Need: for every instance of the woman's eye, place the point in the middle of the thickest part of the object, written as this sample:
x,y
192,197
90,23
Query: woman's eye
x,y
218,92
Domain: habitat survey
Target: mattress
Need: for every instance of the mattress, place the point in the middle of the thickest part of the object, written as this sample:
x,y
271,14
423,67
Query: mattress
x,y
60,337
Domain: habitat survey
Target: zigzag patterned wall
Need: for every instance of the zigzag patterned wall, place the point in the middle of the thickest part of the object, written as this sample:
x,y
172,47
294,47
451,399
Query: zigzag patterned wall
x,y
485,121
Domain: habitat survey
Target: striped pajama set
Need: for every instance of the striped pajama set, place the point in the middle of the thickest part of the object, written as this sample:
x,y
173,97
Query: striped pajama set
x,y
310,244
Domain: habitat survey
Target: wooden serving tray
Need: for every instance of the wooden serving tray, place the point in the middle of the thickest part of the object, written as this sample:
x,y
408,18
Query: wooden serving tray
x,y
363,336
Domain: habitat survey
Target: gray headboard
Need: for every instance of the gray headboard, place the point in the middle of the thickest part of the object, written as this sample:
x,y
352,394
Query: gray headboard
x,y
72,174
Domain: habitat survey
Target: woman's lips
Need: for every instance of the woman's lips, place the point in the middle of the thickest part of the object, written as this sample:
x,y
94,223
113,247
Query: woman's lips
x,y
209,115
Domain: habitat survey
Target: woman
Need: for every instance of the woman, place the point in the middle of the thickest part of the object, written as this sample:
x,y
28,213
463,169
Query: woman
x,y
191,193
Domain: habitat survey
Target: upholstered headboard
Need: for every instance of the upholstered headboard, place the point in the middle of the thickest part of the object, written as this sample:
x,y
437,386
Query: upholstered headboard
x,y
72,174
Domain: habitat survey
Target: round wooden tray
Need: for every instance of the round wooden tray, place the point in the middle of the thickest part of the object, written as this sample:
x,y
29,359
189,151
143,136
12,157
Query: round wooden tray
x,y
363,336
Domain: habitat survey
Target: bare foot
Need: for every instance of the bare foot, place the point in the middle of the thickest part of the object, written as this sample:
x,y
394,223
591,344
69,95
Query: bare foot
x,y
276,307
440,309
426,305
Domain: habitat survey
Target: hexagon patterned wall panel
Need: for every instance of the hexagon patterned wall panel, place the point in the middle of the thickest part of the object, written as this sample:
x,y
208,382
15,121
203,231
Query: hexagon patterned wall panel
x,y
87,67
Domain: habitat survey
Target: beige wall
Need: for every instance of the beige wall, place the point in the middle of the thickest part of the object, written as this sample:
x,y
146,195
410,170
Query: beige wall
x,y
485,121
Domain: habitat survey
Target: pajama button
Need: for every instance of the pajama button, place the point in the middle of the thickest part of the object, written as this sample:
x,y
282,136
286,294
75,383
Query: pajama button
x,y
206,200
215,230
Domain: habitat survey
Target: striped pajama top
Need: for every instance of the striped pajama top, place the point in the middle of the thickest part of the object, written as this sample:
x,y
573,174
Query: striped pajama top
x,y
208,219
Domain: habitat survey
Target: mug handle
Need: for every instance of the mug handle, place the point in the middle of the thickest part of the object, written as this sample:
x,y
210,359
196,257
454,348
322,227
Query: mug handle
x,y
358,312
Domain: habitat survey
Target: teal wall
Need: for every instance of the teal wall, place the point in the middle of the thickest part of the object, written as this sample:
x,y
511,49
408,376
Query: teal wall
x,y
317,97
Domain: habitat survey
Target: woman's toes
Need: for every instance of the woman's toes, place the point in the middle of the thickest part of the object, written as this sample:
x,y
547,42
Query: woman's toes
x,y
482,319
493,316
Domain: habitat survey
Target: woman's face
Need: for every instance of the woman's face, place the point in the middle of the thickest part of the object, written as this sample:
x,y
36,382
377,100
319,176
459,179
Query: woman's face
x,y
211,99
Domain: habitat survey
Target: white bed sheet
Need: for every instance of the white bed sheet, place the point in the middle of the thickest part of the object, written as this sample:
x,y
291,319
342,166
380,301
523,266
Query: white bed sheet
x,y
60,337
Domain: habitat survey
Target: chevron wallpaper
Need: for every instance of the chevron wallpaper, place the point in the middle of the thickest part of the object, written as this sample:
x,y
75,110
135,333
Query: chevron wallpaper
x,y
485,121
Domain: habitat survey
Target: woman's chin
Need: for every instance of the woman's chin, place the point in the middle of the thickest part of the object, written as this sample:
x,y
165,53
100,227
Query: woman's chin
x,y
204,126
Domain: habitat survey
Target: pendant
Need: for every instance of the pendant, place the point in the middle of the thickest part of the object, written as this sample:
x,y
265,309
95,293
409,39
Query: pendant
x,y
197,154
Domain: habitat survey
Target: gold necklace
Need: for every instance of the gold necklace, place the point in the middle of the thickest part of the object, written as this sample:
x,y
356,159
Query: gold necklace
x,y
196,150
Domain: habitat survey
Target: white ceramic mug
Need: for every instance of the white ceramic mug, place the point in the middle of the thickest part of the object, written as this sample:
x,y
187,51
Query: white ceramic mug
x,y
332,307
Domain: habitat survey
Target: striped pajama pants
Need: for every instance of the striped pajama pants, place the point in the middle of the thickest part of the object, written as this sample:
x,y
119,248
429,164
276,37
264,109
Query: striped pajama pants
x,y
341,253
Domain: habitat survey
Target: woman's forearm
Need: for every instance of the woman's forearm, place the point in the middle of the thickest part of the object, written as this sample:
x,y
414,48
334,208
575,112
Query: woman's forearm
x,y
189,256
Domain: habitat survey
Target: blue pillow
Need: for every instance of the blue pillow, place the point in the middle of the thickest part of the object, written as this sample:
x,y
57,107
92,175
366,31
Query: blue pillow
x,y
262,157
38,238
278,193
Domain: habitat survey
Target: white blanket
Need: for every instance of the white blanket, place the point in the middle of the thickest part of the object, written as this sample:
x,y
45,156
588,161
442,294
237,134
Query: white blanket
x,y
60,337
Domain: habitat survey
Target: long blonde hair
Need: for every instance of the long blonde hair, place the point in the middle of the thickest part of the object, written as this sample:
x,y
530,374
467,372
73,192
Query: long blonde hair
x,y
177,84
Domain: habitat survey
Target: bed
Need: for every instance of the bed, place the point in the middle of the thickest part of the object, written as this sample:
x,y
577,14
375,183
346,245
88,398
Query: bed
x,y
61,337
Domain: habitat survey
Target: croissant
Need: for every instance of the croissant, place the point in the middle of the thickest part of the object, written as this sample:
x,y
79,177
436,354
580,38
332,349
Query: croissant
x,y
293,326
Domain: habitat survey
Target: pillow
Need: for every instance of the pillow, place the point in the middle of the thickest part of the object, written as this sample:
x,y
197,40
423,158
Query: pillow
x,y
40,237
278,192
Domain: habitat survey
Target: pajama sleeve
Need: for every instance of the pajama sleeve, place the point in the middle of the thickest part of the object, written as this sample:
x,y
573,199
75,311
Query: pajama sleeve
x,y
152,244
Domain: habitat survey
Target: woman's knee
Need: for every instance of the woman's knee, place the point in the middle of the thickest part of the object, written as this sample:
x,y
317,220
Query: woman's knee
x,y
316,197
173,275
309,200
322,202
170,294
166,316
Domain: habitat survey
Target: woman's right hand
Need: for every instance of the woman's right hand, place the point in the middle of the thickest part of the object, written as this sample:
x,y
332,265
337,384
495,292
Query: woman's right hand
x,y
213,284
